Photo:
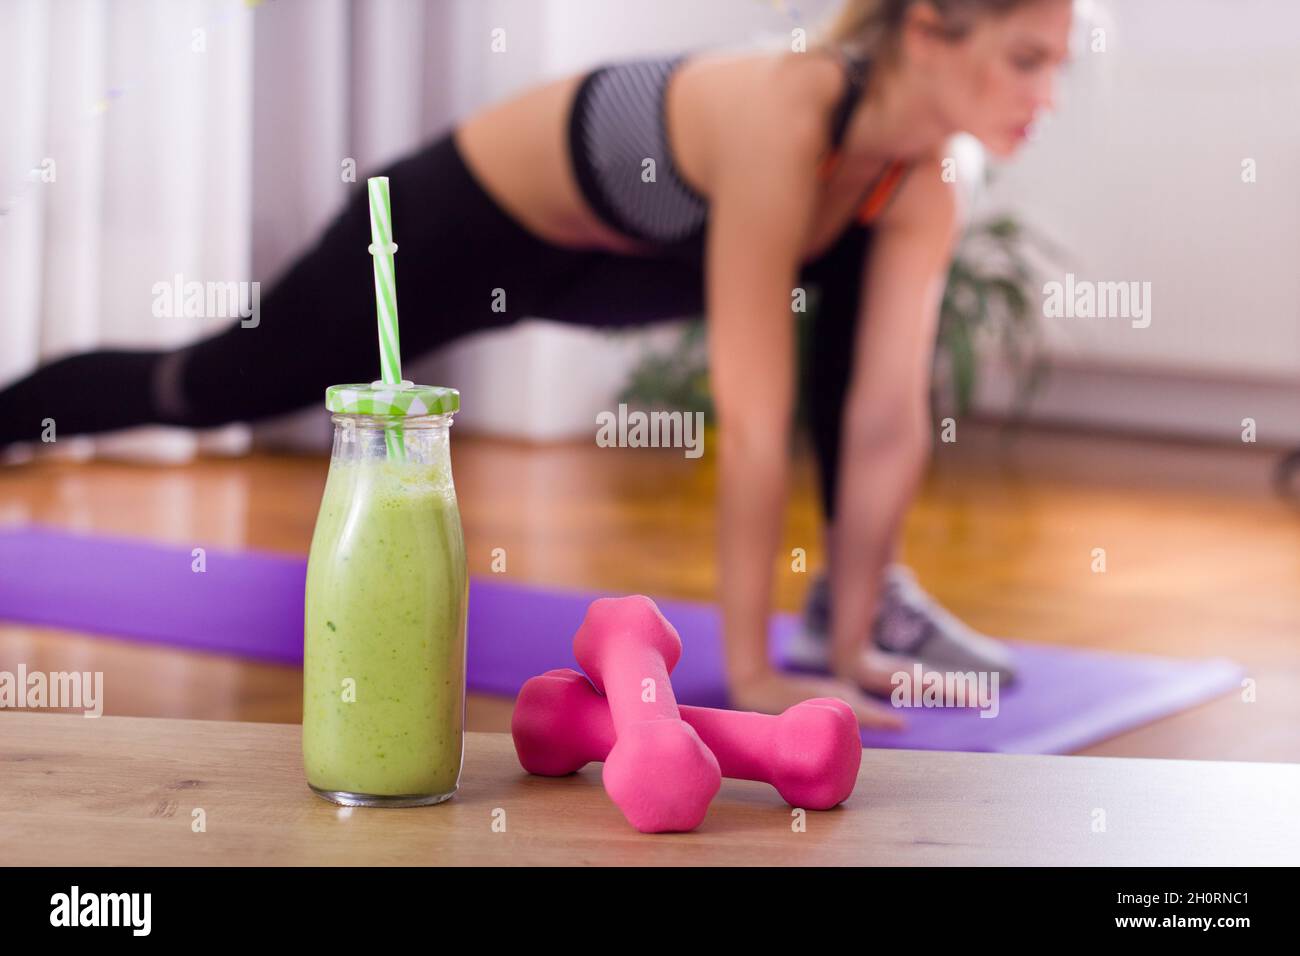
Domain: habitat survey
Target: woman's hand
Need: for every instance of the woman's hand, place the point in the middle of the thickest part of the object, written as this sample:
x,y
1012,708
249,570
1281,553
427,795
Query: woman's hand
x,y
771,692
873,670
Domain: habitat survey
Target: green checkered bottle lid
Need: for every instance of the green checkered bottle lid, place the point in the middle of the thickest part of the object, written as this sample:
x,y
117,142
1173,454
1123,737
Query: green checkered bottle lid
x,y
403,400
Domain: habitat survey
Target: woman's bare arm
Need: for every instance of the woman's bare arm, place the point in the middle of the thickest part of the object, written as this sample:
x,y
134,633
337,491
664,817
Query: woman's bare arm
x,y
760,211
761,207
886,426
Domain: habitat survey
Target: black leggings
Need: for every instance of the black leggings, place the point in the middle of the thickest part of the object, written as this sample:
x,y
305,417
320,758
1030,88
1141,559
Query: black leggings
x,y
459,254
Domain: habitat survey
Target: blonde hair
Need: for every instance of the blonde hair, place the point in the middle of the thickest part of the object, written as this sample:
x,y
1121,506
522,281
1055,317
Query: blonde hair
x,y
872,27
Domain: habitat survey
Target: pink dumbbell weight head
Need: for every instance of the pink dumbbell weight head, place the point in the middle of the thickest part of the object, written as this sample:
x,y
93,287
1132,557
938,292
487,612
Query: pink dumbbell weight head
x,y
658,771
810,753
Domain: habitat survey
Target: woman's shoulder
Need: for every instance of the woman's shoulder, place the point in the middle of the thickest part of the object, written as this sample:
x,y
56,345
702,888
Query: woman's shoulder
x,y
754,79
765,94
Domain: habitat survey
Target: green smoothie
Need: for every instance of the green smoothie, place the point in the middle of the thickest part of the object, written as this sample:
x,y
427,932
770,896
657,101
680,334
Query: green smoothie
x,y
384,655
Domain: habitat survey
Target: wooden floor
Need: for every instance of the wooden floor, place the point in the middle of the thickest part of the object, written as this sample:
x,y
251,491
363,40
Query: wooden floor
x,y
1202,558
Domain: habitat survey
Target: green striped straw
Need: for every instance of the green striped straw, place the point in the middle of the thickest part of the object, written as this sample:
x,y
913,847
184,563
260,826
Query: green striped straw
x,y
382,248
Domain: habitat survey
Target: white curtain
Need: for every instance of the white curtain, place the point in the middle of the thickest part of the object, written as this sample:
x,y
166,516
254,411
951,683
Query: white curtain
x,y
120,166
145,139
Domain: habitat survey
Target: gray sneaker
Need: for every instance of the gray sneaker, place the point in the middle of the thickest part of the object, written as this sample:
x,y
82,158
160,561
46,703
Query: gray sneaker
x,y
908,622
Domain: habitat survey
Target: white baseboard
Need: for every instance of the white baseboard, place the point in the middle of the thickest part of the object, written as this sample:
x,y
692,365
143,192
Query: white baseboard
x,y
1173,404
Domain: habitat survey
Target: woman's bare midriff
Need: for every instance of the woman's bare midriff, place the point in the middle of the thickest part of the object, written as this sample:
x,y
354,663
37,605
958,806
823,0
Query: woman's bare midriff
x,y
518,150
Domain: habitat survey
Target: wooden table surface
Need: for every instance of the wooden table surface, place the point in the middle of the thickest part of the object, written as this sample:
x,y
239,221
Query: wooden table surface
x,y
123,791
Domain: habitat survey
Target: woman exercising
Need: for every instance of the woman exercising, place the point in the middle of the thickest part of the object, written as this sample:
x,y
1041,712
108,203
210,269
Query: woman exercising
x,y
771,172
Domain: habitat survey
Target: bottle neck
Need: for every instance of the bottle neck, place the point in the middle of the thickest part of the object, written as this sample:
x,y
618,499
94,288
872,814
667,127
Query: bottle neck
x,y
425,438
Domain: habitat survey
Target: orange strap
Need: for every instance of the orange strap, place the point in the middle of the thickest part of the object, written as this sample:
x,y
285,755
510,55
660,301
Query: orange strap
x,y
881,191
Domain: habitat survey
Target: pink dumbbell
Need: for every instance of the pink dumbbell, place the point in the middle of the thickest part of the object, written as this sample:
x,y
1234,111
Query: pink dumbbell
x,y
810,753
658,771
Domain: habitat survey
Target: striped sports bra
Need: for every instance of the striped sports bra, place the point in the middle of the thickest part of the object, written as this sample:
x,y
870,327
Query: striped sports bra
x,y
616,124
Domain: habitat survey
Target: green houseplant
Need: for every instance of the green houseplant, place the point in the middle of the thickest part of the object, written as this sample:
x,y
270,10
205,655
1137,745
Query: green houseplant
x,y
991,300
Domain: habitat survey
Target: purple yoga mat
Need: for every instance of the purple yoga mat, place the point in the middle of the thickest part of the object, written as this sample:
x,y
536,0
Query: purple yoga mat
x,y
249,604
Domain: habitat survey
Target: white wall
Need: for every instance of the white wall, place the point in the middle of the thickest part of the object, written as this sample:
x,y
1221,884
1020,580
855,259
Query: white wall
x,y
1139,176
